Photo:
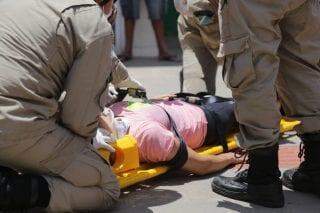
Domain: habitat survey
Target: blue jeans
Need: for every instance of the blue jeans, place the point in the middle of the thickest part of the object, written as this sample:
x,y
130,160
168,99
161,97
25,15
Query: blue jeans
x,y
221,120
131,9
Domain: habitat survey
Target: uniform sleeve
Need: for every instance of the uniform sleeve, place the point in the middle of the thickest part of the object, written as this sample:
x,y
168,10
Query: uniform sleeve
x,y
90,35
119,70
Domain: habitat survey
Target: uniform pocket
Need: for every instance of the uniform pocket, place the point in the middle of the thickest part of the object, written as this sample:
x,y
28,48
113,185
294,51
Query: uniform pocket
x,y
238,70
84,171
77,163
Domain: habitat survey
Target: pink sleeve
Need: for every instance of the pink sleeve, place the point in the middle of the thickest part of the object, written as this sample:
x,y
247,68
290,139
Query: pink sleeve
x,y
155,142
119,108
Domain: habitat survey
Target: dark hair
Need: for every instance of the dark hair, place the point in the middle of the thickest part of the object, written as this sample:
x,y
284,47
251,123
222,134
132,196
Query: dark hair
x,y
104,2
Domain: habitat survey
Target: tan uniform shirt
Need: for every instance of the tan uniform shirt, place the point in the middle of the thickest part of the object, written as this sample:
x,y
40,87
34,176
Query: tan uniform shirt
x,y
47,47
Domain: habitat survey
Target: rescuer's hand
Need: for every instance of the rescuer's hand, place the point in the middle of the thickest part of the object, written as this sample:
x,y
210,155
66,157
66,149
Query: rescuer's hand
x,y
131,83
103,140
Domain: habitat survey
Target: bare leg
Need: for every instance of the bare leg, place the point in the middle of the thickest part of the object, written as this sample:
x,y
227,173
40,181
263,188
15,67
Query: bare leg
x,y
202,165
158,28
129,32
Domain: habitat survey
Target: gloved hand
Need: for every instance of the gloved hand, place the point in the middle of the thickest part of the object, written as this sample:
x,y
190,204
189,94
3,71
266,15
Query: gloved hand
x,y
115,127
112,95
107,122
103,140
131,83
112,91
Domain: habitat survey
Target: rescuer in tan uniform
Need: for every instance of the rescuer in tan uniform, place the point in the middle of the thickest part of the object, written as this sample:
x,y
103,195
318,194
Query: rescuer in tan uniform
x,y
199,38
49,48
271,50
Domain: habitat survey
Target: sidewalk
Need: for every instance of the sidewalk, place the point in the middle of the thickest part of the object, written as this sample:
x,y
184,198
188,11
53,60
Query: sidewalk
x,y
178,192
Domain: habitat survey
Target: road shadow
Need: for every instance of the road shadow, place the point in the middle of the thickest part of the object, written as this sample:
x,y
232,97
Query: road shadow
x,y
151,62
179,178
143,197
295,202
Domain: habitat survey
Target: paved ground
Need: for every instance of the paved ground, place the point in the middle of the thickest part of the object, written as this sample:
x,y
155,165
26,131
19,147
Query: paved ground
x,y
180,192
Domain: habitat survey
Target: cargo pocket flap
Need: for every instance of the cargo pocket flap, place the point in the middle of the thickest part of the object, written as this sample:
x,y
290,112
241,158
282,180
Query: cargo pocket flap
x,y
233,46
238,69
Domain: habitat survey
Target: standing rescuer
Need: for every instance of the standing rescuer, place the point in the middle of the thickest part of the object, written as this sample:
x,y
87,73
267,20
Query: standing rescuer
x,y
271,50
46,48
199,38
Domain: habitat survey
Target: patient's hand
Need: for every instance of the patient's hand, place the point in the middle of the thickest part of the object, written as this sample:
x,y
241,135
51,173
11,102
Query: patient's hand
x,y
104,122
164,97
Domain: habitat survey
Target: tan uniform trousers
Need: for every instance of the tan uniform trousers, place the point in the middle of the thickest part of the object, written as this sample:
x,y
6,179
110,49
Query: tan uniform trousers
x,y
79,179
199,39
271,50
61,46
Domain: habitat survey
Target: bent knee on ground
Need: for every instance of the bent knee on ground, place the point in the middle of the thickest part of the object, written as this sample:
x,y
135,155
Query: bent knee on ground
x,y
90,170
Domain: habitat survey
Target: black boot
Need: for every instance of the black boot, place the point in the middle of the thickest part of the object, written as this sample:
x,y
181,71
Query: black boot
x,y
262,184
306,178
21,192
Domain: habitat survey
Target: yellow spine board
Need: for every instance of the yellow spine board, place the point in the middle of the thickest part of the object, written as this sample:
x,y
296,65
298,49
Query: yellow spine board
x,y
127,155
133,177
287,125
147,172
130,173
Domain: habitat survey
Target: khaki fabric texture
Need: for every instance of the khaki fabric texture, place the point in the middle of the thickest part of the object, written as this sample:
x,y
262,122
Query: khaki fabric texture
x,y
79,179
59,51
119,70
62,46
271,50
199,39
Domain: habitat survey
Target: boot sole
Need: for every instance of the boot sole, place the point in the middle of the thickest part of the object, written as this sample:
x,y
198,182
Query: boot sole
x,y
242,197
290,186
287,184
